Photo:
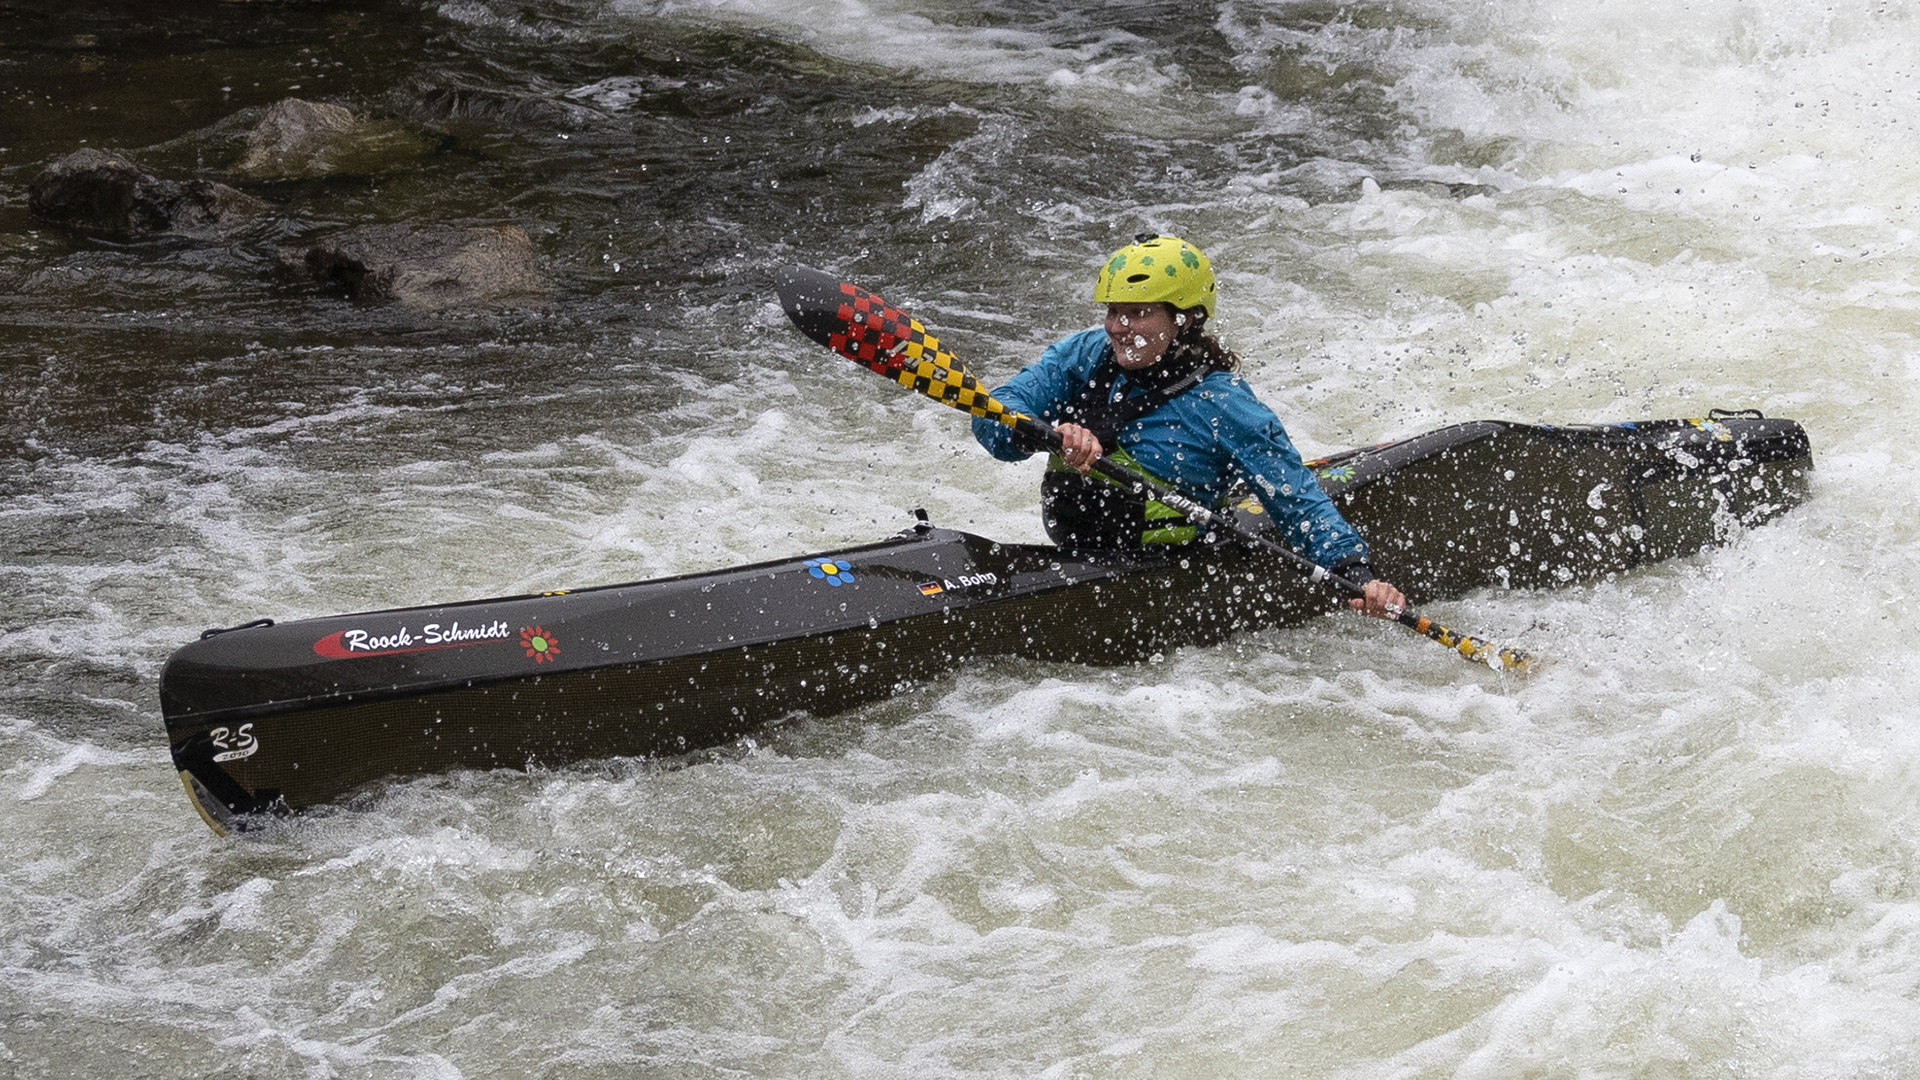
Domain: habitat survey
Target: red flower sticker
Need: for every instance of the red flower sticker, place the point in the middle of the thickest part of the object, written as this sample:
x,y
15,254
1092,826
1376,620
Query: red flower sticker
x,y
539,644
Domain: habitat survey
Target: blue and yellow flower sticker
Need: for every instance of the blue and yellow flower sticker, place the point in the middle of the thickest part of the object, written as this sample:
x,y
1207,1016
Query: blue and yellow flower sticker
x,y
831,571
1336,474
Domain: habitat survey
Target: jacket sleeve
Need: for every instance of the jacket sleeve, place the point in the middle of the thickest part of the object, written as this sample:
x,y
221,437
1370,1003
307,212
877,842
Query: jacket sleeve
x,y
1265,456
1040,389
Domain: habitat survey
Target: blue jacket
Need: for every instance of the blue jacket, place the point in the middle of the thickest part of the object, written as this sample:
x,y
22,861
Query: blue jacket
x,y
1200,442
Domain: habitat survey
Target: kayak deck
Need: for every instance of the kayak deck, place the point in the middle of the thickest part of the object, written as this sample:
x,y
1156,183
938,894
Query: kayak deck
x,y
275,718
1525,507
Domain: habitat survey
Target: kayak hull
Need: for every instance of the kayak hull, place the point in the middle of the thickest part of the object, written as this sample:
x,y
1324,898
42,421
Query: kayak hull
x,y
322,735
277,718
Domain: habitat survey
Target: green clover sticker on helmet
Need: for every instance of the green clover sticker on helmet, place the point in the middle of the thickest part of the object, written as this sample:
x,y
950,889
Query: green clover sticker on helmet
x,y
1185,277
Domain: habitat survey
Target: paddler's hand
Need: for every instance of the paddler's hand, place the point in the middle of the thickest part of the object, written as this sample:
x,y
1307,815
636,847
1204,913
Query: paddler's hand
x,y
1382,601
1078,447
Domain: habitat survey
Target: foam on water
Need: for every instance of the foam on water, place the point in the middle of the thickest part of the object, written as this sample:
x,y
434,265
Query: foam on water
x,y
926,41
1686,848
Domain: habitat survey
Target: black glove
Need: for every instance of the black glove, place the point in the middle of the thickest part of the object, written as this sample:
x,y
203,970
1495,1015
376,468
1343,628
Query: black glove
x,y
1031,440
1355,568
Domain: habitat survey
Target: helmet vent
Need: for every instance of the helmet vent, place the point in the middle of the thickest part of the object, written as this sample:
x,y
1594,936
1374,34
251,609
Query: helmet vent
x,y
1135,279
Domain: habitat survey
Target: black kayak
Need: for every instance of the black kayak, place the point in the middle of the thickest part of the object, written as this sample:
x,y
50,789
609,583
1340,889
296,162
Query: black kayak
x,y
272,718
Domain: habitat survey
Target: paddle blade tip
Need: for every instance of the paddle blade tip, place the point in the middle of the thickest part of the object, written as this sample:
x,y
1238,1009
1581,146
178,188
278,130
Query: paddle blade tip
x,y
1504,659
1514,661
812,299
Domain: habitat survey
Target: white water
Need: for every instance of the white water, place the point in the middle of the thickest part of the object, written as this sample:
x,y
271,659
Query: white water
x,y
1686,849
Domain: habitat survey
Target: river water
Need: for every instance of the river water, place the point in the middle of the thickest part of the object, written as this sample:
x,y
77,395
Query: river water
x,y
1685,849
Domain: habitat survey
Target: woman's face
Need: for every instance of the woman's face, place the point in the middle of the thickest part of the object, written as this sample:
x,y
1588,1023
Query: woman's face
x,y
1140,333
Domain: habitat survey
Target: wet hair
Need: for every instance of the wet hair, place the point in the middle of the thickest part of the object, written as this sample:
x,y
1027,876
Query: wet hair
x,y
1192,335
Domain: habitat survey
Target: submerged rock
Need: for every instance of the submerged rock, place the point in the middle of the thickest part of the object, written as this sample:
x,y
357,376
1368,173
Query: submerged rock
x,y
304,140
429,267
485,107
102,192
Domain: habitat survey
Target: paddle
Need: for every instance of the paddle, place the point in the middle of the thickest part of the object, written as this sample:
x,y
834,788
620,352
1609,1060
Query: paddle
x,y
863,328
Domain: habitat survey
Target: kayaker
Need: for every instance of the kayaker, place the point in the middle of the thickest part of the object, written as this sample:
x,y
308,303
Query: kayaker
x,y
1159,394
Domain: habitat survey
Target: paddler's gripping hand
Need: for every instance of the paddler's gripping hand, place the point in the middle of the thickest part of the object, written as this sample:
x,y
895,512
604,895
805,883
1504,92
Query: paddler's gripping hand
x,y
1079,447
1382,601
1378,599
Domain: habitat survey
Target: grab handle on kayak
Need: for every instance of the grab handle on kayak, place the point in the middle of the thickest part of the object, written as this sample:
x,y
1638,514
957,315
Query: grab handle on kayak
x,y
218,630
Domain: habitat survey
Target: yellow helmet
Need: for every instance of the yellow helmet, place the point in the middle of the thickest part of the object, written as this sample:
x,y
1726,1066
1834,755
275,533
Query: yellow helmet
x,y
1157,269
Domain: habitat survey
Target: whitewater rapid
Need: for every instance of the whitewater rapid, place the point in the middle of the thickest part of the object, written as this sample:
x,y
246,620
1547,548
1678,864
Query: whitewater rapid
x,y
1687,848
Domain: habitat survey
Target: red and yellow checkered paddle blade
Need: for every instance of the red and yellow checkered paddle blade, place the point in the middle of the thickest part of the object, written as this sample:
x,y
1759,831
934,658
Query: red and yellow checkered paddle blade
x,y
863,328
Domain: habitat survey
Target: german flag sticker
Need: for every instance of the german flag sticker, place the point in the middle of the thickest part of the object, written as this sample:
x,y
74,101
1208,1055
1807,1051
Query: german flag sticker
x,y
932,588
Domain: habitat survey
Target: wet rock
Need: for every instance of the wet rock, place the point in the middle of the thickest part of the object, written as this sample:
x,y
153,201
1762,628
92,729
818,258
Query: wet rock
x,y
304,140
430,267
477,106
102,192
